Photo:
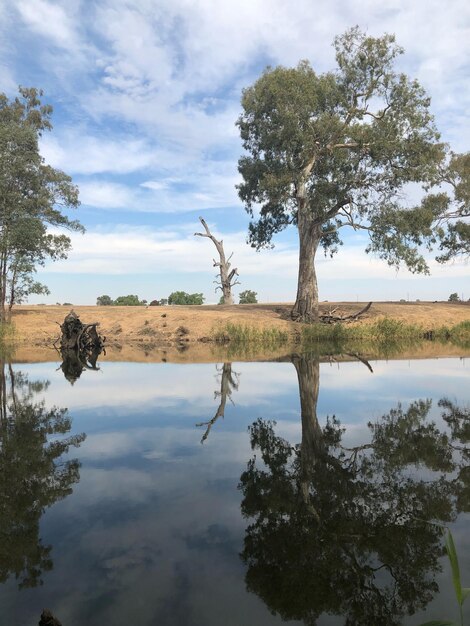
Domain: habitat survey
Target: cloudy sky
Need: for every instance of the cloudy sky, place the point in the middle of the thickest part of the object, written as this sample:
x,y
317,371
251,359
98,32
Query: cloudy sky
x,y
146,94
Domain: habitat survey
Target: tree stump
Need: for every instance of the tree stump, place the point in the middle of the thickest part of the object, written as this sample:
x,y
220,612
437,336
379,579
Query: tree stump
x,y
78,336
80,346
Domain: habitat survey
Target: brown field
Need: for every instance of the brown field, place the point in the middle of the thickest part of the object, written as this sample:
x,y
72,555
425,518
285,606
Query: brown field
x,y
171,325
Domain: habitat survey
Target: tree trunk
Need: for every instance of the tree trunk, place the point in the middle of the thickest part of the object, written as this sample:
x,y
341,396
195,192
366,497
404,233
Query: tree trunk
x,y
312,448
228,277
306,303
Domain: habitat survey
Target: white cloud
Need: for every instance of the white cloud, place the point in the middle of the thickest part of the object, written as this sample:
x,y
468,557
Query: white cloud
x,y
49,20
78,153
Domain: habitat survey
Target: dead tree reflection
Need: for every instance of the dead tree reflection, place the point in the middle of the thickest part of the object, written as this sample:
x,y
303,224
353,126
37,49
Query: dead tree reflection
x,y
352,530
75,362
229,382
32,474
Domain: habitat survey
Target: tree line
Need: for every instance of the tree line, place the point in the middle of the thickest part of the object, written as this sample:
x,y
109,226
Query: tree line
x,y
176,297
323,153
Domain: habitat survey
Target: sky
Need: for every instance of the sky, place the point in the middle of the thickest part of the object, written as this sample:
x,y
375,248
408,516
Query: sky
x,y
146,94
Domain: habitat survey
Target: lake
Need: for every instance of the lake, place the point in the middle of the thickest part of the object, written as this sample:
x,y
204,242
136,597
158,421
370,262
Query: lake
x,y
308,490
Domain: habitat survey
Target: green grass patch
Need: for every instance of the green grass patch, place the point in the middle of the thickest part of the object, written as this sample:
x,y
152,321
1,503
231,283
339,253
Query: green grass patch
x,y
240,334
7,334
384,329
389,336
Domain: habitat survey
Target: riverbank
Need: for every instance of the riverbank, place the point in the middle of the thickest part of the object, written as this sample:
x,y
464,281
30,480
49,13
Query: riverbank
x,y
185,325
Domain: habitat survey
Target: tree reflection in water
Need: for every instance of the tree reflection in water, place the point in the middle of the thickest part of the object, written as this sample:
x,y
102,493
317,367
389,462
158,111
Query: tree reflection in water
x,y
32,476
352,531
228,384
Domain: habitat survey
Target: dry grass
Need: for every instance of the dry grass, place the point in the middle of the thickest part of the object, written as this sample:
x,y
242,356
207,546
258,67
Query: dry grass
x,y
38,325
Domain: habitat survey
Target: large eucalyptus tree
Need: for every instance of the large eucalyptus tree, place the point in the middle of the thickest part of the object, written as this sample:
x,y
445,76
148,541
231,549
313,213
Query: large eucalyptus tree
x,y
336,150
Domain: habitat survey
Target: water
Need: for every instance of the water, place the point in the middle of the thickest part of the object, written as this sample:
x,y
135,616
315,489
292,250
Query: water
x,y
292,508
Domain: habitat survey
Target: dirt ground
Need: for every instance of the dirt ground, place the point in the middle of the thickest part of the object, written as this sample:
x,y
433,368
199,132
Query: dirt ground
x,y
170,325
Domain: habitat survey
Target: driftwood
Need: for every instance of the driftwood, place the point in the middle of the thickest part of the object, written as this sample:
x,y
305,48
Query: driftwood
x,y
330,318
80,346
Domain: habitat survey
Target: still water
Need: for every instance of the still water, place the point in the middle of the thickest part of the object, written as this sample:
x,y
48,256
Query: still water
x,y
234,493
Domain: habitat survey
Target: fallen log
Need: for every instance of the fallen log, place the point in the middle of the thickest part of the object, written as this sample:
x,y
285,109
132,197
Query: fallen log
x,y
329,318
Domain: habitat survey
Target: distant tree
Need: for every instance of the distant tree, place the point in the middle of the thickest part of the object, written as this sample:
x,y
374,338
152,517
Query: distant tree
x,y
181,297
248,297
454,297
130,300
226,278
336,150
104,301
32,196
67,304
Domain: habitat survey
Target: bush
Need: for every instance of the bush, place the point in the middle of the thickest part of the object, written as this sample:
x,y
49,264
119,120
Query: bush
x,y
104,301
454,297
248,297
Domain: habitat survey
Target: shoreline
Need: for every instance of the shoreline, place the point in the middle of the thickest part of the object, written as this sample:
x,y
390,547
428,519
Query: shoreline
x,y
261,328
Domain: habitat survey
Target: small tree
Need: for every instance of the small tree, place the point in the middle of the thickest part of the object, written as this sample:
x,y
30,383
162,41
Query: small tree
x,y
104,301
454,297
32,195
248,297
130,300
227,278
181,297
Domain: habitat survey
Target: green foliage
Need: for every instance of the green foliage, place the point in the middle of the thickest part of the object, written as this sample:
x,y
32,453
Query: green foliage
x,y
454,297
181,297
32,194
248,297
336,150
104,301
130,300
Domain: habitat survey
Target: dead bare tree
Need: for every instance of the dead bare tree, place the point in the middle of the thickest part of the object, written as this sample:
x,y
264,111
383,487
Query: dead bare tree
x,y
227,278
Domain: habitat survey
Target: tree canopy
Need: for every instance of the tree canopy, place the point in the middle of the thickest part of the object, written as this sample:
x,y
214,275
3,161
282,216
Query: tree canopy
x,y
181,297
104,301
247,297
32,197
130,300
336,150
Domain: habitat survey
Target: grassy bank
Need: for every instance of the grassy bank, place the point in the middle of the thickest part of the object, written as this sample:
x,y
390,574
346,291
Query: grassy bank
x,y
384,330
7,337
387,335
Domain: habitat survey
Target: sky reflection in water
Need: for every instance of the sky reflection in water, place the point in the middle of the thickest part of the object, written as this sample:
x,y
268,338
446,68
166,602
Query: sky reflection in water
x,y
153,531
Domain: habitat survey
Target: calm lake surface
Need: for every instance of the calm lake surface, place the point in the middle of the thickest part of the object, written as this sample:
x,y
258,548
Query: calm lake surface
x,y
234,493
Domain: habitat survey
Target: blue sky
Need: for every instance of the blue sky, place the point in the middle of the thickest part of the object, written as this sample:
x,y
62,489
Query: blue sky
x,y
146,94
